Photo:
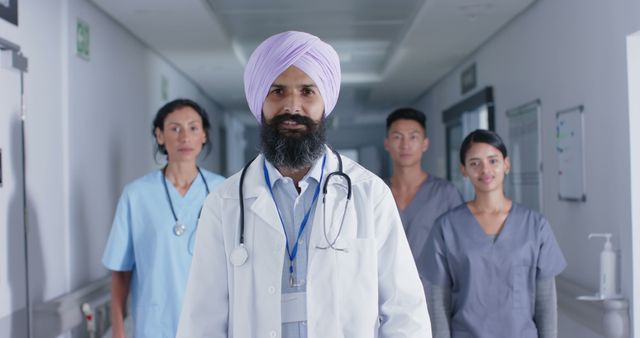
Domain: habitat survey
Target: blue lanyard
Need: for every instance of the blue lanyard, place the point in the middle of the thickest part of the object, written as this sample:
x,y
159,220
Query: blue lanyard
x,y
292,254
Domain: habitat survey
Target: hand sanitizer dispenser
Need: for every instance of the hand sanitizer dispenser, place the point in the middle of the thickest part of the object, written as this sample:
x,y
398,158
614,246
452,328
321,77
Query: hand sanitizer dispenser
x,y
608,280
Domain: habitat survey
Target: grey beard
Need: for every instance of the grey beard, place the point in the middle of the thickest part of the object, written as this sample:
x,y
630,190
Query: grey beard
x,y
292,150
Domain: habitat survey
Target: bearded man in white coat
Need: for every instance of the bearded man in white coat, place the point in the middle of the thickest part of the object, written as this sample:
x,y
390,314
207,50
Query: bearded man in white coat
x,y
277,254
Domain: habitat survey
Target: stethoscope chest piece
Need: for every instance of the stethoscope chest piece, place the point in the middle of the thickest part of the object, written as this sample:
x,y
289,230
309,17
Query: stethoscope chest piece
x,y
179,229
239,255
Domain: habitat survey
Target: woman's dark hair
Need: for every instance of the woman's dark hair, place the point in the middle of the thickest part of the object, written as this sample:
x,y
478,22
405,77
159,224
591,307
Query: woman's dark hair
x,y
407,114
482,136
161,115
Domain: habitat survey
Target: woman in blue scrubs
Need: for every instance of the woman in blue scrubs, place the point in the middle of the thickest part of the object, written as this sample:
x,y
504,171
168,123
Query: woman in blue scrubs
x,y
151,242
491,263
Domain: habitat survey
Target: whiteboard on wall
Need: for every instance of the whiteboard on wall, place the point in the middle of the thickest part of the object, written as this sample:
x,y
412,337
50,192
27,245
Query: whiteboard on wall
x,y
524,182
570,152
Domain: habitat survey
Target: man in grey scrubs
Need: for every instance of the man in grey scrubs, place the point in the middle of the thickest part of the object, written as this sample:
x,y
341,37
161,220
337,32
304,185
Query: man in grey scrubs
x,y
420,196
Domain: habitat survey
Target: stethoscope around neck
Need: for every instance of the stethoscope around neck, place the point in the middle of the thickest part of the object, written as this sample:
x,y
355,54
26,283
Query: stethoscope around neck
x,y
180,228
239,254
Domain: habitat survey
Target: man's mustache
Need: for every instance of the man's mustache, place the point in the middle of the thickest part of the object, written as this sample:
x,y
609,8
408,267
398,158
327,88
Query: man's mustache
x,y
300,119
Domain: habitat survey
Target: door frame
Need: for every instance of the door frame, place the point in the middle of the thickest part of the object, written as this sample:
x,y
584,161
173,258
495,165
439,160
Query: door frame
x,y
633,71
17,61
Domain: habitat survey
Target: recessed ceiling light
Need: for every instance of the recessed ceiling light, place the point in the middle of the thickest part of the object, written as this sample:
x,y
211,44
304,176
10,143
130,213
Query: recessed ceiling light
x,y
473,11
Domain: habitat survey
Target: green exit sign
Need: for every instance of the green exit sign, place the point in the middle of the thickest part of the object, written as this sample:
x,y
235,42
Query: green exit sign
x,y
82,40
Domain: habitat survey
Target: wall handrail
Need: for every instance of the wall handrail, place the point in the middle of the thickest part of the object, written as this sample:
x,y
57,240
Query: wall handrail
x,y
64,313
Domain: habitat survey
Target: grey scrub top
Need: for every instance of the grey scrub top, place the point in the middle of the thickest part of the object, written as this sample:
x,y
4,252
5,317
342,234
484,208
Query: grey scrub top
x,y
434,197
492,282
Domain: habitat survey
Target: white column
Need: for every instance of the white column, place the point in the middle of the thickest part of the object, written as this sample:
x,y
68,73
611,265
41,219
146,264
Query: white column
x,y
633,70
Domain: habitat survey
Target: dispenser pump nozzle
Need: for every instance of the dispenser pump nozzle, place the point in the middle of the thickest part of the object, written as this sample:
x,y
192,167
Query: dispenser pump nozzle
x,y
606,236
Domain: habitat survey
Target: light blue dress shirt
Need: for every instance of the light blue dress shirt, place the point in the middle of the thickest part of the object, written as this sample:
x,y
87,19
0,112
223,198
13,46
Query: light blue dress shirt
x,y
142,241
292,207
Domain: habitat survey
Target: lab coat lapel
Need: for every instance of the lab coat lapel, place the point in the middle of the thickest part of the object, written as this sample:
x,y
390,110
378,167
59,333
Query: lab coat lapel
x,y
257,196
330,206
327,201
264,209
265,243
322,289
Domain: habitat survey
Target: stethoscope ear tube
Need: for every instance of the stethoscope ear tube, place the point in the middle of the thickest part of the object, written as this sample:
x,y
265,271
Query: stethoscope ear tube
x,y
241,195
340,173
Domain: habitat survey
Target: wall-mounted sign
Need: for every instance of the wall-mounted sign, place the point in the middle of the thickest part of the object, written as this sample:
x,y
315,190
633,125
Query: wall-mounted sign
x,y
83,40
9,11
164,88
468,78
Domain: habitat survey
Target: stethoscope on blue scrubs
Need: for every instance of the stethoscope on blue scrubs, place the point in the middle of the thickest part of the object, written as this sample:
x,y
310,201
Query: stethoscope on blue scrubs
x,y
179,228
239,254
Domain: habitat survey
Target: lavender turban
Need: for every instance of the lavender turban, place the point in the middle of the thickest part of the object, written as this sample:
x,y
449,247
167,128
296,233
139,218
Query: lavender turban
x,y
305,51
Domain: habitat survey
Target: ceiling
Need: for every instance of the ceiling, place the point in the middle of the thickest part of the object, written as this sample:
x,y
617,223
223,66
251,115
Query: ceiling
x,y
391,51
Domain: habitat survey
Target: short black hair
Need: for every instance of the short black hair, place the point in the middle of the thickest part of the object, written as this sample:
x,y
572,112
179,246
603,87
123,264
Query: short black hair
x,y
482,136
407,113
170,107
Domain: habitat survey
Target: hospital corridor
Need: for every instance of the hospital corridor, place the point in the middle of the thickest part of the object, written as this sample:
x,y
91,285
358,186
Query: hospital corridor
x,y
144,144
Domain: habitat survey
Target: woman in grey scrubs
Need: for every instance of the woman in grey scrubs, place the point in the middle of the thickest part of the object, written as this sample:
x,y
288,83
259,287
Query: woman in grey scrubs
x,y
491,263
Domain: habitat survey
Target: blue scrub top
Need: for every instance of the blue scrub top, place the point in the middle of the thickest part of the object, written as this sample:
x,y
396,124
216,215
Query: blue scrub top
x,y
492,282
142,241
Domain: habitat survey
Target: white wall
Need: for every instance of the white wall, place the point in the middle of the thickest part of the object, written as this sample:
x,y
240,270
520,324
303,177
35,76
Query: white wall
x,y
12,261
88,133
39,34
115,96
564,53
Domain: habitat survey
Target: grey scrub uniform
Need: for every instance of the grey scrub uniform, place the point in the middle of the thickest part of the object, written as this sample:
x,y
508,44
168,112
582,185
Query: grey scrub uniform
x,y
492,282
434,197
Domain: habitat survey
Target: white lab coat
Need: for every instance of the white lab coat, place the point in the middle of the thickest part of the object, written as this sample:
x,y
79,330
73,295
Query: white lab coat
x,y
372,290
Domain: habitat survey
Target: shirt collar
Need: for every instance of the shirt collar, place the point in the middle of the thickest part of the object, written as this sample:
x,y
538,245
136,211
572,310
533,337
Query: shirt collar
x,y
314,173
